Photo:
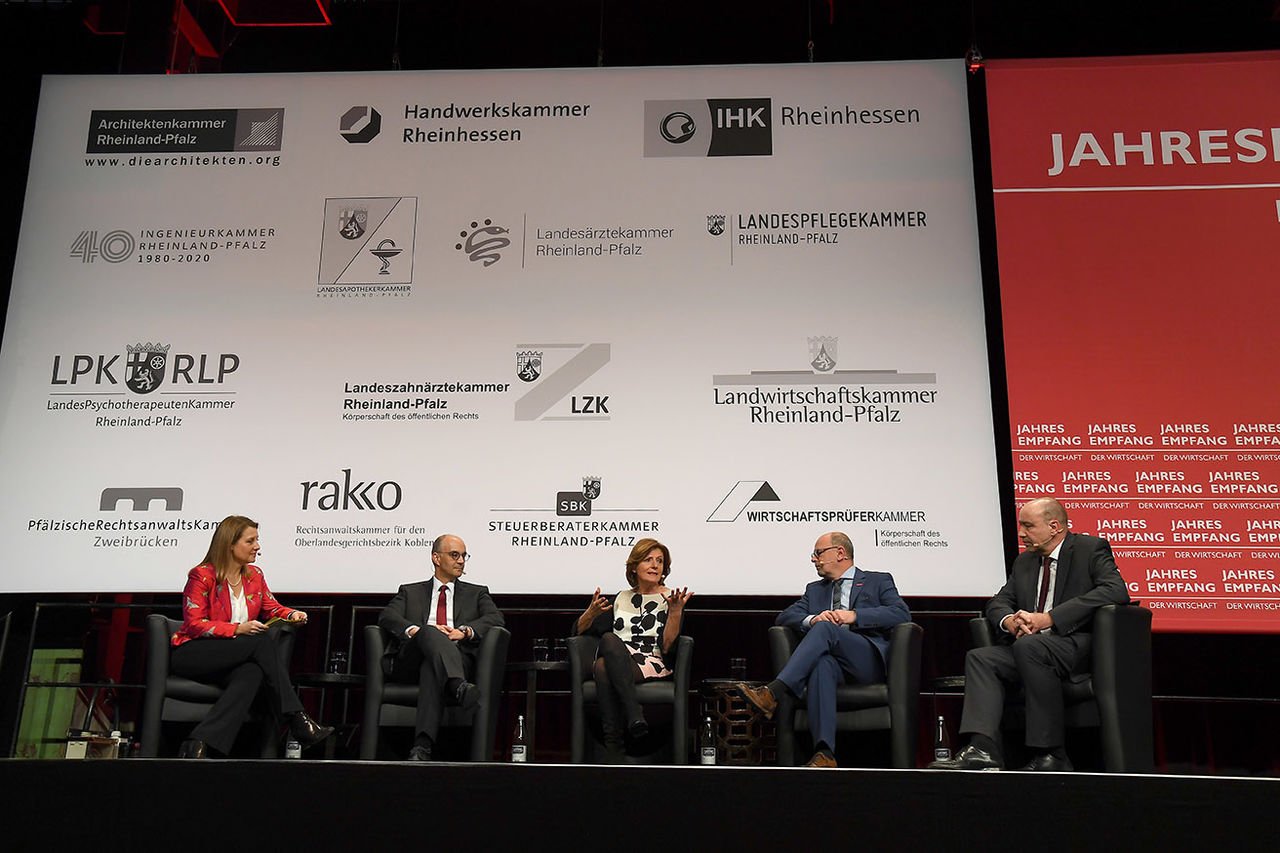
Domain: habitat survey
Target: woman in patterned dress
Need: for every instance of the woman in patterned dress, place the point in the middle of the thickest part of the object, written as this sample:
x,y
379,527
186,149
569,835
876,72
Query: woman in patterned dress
x,y
222,641
636,629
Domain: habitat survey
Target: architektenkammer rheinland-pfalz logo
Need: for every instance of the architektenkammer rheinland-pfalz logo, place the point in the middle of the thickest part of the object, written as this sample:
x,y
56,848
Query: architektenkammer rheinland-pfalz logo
x,y
185,138
366,247
716,127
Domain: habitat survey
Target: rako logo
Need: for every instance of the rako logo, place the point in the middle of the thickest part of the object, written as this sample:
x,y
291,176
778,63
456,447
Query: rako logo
x,y
342,495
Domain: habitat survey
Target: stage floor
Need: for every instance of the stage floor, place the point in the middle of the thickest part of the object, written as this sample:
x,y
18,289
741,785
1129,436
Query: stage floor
x,y
350,805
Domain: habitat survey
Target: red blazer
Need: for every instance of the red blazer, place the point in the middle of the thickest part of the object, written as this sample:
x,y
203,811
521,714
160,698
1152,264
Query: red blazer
x,y
206,605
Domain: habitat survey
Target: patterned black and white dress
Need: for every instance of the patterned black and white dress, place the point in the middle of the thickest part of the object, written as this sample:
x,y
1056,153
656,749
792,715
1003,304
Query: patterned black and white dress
x,y
639,621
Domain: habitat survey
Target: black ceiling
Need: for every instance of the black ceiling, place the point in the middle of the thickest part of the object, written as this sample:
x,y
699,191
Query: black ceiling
x,y
49,37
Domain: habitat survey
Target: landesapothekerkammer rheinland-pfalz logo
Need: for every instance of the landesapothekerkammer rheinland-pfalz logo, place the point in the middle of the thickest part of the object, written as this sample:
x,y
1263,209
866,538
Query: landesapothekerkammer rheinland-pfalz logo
x,y
366,247
715,127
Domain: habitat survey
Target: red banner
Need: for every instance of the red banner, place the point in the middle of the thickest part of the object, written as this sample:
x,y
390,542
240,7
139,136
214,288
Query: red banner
x,y
1138,224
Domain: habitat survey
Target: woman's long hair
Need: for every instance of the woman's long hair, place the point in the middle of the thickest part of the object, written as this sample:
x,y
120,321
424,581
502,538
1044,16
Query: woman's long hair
x,y
224,538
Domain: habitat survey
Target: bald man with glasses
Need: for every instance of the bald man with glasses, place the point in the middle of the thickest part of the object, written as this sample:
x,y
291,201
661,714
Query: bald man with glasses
x,y
844,620
435,627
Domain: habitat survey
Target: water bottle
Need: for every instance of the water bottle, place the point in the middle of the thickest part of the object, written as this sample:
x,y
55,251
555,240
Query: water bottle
x,y
941,742
518,752
708,742
292,749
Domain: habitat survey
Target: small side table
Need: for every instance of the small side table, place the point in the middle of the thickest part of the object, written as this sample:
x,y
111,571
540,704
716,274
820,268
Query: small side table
x,y
531,670
743,735
332,681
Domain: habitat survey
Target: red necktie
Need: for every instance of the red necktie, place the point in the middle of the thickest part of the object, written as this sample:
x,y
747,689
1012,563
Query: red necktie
x,y
442,613
1044,586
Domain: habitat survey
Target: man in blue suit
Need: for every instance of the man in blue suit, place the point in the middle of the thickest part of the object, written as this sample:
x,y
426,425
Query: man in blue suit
x,y
845,621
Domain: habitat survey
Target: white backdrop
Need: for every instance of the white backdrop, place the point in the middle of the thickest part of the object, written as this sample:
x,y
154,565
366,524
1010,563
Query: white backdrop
x,y
733,342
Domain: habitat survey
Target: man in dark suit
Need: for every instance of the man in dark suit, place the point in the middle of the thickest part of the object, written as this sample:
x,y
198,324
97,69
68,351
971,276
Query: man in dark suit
x,y
435,628
1044,615
845,621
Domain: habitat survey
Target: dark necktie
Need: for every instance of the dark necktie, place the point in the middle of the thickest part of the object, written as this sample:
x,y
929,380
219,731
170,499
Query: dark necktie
x,y
1044,586
442,612
835,593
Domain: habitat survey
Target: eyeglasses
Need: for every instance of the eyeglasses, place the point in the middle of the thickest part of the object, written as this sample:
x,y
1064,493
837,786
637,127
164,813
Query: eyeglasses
x,y
457,556
818,553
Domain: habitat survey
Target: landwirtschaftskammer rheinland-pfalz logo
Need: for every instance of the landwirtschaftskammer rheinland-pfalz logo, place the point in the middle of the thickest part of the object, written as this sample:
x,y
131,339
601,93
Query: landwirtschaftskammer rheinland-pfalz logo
x,y
366,247
716,127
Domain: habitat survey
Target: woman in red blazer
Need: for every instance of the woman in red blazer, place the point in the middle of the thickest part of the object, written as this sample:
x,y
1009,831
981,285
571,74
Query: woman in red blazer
x,y
224,639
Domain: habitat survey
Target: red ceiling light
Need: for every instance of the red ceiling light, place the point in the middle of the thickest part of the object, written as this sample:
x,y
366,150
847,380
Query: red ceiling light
x,y
277,13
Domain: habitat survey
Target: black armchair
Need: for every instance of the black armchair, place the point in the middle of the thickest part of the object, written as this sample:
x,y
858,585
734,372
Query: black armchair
x,y
1116,695
389,703
673,691
172,698
893,705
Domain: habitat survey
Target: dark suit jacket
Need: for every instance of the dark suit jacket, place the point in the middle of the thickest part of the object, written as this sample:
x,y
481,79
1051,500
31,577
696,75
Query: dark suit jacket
x,y
874,598
414,604
1087,579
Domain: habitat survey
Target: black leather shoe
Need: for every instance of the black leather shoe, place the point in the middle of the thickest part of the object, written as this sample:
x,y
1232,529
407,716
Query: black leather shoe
x,y
420,753
1048,763
464,694
969,758
193,749
637,729
307,731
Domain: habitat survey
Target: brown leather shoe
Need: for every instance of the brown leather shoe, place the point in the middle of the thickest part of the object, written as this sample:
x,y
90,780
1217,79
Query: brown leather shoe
x,y
760,698
821,759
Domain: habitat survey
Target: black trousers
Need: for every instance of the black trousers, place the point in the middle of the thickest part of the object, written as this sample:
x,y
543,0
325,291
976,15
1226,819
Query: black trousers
x,y
1038,662
242,666
430,659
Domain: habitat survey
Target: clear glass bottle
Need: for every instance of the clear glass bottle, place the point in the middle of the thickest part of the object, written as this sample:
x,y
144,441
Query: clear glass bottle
x,y
707,745
519,753
941,741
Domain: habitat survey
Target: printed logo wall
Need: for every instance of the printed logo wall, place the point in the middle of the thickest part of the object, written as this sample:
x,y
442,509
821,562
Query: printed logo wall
x,y
554,312
1138,211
